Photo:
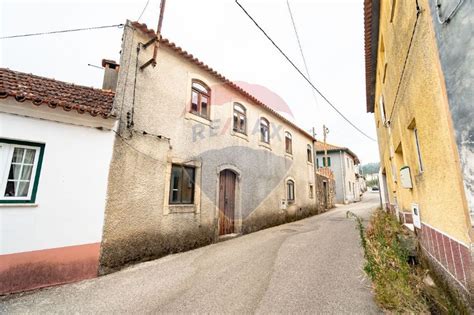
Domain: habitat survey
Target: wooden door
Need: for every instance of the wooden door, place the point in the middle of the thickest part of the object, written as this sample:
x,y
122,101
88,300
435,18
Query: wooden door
x,y
226,202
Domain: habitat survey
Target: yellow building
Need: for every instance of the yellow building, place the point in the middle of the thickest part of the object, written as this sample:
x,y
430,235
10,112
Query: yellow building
x,y
420,91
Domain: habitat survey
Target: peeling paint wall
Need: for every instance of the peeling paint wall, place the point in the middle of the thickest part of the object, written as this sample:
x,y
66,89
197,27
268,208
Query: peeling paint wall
x,y
456,51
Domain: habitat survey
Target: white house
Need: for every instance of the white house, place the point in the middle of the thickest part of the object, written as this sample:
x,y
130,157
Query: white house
x,y
344,164
56,143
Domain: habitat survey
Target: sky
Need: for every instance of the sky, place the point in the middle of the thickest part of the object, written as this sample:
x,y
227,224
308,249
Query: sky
x,y
220,34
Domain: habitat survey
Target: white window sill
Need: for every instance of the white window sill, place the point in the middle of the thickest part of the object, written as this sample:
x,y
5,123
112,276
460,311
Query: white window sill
x,y
18,205
184,208
240,135
202,120
288,155
265,145
309,163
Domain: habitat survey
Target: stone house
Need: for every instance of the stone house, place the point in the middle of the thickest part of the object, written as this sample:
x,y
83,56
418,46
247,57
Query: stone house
x,y
343,163
419,88
56,144
325,189
196,156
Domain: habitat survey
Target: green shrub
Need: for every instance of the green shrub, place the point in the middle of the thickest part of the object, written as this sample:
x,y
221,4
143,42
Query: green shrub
x,y
397,286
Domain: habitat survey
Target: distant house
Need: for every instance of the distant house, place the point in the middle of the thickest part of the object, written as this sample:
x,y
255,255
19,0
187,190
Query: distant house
x,y
56,143
343,163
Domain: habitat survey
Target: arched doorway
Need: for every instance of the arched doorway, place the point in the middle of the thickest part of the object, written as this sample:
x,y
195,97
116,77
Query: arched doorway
x,y
227,182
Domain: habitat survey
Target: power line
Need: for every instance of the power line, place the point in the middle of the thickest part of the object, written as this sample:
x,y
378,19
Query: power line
x,y
63,31
143,11
302,74
301,49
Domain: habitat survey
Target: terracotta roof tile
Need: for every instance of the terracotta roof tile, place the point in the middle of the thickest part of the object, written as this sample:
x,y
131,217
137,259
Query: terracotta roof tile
x,y
333,148
53,93
320,146
202,65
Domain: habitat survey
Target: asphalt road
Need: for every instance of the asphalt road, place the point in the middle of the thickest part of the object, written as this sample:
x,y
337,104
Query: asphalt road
x,y
309,266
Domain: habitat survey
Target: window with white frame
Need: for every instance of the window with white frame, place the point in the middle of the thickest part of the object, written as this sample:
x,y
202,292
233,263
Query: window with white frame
x,y
418,151
20,167
200,99
182,184
264,130
288,143
240,118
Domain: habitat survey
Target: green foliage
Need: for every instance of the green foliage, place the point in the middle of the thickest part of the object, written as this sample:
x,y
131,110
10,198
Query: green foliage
x,y
398,287
372,183
370,168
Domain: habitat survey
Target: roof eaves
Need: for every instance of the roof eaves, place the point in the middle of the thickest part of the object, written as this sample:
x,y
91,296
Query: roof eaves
x,y
202,65
371,37
17,84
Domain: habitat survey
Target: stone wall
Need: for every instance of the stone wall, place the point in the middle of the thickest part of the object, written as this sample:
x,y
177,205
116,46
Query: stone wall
x,y
330,184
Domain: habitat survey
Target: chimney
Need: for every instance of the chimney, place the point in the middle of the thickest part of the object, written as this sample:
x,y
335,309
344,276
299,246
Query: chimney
x,y
111,69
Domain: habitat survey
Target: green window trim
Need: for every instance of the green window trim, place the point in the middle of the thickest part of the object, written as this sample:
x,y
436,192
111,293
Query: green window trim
x,y
39,165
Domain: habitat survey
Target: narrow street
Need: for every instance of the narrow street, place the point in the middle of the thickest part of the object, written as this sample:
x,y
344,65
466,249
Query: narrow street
x,y
308,266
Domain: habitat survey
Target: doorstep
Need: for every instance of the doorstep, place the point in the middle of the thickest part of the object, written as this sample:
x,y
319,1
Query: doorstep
x,y
226,237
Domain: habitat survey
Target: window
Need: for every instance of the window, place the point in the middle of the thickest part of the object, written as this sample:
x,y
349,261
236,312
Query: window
x,y
264,130
309,154
290,191
311,191
200,99
288,143
349,186
182,184
382,109
240,118
20,168
328,162
418,151
347,160
317,163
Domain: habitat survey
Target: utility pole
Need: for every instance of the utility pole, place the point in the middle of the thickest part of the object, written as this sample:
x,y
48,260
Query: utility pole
x,y
325,132
157,38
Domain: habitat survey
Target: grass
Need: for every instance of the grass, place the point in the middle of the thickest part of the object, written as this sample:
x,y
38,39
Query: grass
x,y
398,286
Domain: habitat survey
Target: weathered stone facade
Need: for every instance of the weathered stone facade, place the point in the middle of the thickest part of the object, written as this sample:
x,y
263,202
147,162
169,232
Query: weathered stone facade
x,y
157,130
325,192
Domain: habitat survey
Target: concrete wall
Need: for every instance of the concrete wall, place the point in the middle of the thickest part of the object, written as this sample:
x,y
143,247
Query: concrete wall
x,y
410,79
57,238
140,224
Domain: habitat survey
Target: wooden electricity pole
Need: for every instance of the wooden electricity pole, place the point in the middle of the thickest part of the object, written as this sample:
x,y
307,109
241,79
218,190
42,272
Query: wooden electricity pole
x,y
325,132
157,38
